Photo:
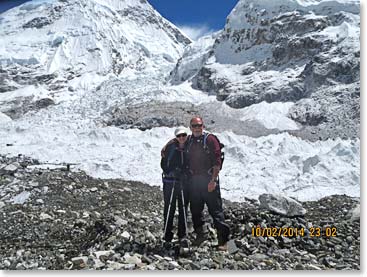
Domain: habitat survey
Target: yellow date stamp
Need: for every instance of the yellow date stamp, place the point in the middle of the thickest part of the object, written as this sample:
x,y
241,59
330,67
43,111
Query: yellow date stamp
x,y
293,232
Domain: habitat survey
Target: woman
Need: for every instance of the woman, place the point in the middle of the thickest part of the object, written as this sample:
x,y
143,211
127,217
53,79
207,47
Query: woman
x,y
174,167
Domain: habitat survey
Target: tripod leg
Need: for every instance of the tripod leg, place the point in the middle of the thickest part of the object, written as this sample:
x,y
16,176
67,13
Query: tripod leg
x,y
169,210
184,211
185,247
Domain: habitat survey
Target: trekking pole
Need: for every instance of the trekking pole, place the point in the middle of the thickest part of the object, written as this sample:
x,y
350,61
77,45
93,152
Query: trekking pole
x,y
184,209
184,251
169,209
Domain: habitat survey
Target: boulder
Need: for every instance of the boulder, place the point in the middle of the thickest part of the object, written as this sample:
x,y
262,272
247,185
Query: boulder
x,y
281,204
79,262
355,213
232,248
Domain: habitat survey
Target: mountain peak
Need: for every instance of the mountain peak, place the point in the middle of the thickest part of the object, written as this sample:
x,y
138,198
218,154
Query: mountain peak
x,y
71,38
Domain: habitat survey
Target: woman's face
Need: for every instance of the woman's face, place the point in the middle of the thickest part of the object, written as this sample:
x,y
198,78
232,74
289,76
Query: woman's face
x,y
181,138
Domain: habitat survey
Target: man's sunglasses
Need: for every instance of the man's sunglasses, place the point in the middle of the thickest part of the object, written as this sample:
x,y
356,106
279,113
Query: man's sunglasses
x,y
181,135
197,125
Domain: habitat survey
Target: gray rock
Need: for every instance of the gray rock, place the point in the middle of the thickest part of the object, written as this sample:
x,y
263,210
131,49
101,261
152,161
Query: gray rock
x,y
238,257
20,266
283,252
43,103
40,201
149,236
258,257
37,22
7,264
336,240
195,266
125,235
103,255
135,259
232,247
97,263
281,204
20,198
173,264
151,267
127,189
313,267
119,221
287,240
79,262
146,259
11,168
354,214
349,239
116,265
44,216
158,257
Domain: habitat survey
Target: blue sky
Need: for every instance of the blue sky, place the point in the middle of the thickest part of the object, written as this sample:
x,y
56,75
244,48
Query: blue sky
x,y
194,17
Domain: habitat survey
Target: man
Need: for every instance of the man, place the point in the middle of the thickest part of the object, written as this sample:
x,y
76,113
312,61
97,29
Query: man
x,y
204,166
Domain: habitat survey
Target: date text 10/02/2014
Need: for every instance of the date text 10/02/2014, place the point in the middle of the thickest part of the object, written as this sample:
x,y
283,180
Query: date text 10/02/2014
x,y
291,232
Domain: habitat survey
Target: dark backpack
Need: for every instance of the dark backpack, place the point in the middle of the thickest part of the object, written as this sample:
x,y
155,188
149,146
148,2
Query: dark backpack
x,y
206,148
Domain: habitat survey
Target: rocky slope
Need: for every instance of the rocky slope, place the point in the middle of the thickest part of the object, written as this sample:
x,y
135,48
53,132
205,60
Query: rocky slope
x,y
291,50
146,116
57,219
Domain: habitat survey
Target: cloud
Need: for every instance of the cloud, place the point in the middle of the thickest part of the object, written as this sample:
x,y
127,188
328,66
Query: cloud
x,y
195,31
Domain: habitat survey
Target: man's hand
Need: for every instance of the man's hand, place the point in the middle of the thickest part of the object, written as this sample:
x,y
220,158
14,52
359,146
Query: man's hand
x,y
211,186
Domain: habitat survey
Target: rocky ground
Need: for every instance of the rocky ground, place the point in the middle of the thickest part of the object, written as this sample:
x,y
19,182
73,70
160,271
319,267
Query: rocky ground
x,y
59,219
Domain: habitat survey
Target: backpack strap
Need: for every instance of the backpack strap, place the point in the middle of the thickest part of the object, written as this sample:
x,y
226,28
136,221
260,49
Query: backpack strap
x,y
206,134
205,138
189,143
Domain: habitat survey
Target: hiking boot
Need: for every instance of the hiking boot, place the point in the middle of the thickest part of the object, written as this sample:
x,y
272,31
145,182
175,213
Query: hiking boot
x,y
167,245
200,238
184,243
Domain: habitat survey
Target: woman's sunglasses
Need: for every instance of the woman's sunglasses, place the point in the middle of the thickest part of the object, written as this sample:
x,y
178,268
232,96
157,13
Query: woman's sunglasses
x,y
181,135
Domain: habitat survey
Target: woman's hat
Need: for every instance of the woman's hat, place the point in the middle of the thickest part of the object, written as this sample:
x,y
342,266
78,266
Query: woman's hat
x,y
181,130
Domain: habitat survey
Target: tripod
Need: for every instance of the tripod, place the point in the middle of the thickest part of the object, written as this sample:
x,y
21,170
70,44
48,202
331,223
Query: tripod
x,y
177,191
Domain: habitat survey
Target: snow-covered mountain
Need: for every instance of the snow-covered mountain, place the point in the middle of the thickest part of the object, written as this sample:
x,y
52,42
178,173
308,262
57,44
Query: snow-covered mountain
x,y
62,46
83,82
306,52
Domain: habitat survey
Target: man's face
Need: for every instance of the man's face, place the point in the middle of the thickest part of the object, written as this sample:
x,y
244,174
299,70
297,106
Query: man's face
x,y
197,127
